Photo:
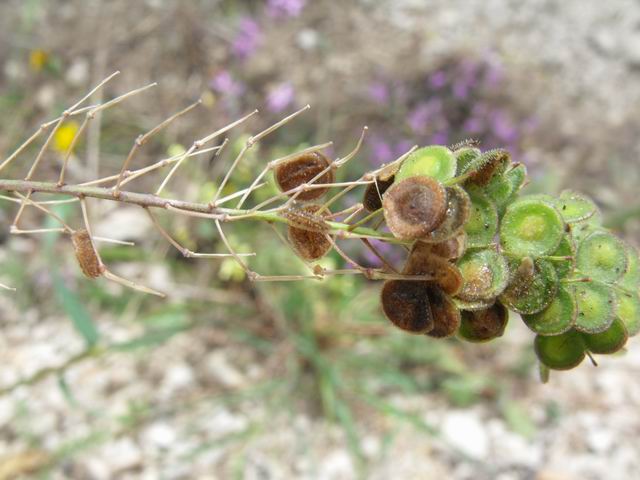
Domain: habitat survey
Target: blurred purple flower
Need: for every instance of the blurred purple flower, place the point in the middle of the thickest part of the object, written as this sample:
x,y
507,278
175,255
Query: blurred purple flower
x,y
439,138
248,38
461,88
285,8
473,125
379,92
381,150
402,147
280,97
418,118
224,83
438,79
493,76
503,127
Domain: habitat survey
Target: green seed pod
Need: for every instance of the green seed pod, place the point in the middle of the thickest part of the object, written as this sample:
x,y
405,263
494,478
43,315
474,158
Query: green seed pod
x,y
629,311
465,156
602,256
482,226
473,306
451,249
422,261
559,317
575,207
434,161
302,169
483,168
567,248
532,287
446,316
560,352
531,228
596,307
484,325
406,304
611,340
503,189
414,207
631,278
485,274
456,216
372,199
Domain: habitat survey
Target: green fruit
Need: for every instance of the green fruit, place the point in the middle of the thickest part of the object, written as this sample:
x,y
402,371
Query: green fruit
x,y
596,307
503,188
531,228
560,352
532,288
611,340
567,248
557,318
575,207
485,273
631,278
434,161
629,311
482,225
602,256
464,156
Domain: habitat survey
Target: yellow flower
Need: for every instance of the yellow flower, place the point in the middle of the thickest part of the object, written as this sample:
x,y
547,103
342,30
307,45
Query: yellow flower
x,y
64,136
38,58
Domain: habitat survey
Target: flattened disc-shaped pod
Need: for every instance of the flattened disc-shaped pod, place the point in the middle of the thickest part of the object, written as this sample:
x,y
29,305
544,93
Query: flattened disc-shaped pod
x,y
451,249
531,290
602,256
308,235
485,274
473,306
483,168
422,261
414,207
504,188
446,316
406,304
631,278
372,199
629,311
434,161
531,228
465,156
575,207
302,169
559,317
597,307
85,254
482,226
567,248
560,352
484,325
456,216
610,341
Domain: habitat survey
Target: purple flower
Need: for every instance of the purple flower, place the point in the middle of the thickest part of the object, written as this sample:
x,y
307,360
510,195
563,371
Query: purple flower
x,y
438,79
382,151
280,97
402,147
419,118
503,127
461,89
248,39
473,125
439,138
378,92
224,83
285,8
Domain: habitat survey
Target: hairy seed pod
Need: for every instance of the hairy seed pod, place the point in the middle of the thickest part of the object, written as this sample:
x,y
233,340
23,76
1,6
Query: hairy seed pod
x,y
414,207
602,256
575,207
307,233
434,161
406,304
372,199
485,273
610,341
482,224
464,156
532,287
446,316
456,217
85,254
487,165
629,311
597,306
484,325
560,352
302,169
559,317
453,248
468,142
422,261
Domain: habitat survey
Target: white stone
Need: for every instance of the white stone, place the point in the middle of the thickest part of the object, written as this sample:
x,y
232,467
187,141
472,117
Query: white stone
x,y
465,431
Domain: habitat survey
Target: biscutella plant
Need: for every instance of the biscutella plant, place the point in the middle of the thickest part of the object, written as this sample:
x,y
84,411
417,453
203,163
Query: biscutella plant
x,y
475,248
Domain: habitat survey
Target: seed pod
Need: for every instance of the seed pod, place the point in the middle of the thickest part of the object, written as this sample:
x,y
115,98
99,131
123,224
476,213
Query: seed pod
x,y
446,316
302,169
485,274
308,236
567,248
575,207
372,199
597,307
484,325
434,161
629,311
451,249
414,207
473,306
483,168
464,144
456,217
482,225
422,261
610,341
531,228
504,188
406,304
464,157
85,254
560,352
631,278
602,256
559,317
532,287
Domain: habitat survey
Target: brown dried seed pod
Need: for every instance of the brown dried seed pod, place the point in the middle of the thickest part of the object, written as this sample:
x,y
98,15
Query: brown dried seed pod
x,y
451,249
372,199
422,261
456,216
308,236
305,218
302,169
85,254
488,164
446,316
406,304
484,325
415,207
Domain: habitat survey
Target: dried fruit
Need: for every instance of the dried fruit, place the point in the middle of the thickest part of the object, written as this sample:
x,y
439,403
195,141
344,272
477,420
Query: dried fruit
x,y
86,254
485,274
406,303
484,325
302,169
307,233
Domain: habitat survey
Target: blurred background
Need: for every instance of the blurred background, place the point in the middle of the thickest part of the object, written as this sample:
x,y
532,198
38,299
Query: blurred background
x,y
306,380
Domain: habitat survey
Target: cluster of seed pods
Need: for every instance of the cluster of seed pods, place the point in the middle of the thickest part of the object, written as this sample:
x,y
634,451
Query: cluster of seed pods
x,y
483,250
